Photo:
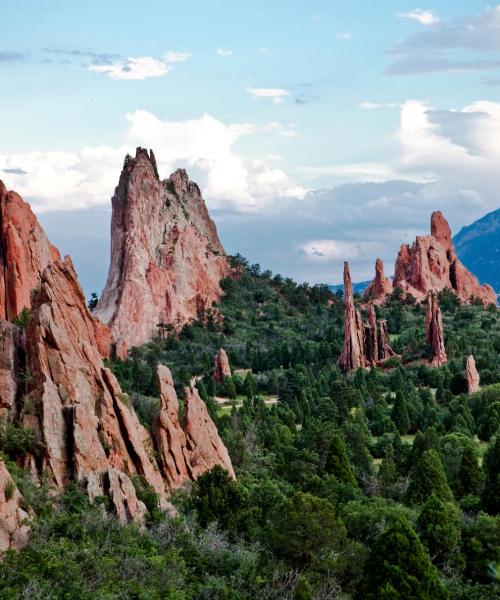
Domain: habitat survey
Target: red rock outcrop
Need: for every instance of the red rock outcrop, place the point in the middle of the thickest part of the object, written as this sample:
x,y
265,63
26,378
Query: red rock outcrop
x,y
189,447
472,375
434,331
385,351
12,350
365,344
431,265
353,352
222,368
166,258
14,520
381,285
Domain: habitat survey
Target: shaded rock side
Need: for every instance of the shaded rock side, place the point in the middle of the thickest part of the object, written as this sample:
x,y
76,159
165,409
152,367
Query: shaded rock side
x,y
166,257
12,352
14,520
221,364
384,348
353,353
471,375
187,447
381,285
434,331
87,427
431,264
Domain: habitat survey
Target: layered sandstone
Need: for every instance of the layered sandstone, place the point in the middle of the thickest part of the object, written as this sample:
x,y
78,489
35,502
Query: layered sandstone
x,y
381,286
434,331
166,257
365,344
221,364
471,375
431,265
189,446
14,520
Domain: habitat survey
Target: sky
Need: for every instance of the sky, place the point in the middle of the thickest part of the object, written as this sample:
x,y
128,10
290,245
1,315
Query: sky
x,y
318,131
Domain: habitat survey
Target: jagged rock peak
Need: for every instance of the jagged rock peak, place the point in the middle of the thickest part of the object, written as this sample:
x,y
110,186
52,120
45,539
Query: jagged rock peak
x,y
166,257
381,285
222,368
189,447
431,265
353,355
434,333
472,375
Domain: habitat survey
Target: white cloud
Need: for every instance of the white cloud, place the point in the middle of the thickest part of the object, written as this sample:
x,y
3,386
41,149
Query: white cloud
x,y
424,17
204,145
339,250
276,94
375,105
343,35
140,68
224,51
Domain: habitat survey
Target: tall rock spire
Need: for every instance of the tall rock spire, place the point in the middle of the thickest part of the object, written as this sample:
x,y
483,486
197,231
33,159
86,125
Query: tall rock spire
x,y
166,258
353,354
381,285
471,375
434,331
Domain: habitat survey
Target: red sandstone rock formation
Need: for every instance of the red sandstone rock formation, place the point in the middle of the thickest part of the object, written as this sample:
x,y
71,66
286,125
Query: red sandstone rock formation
x,y
434,331
432,265
166,258
192,447
12,349
222,368
381,285
472,375
25,252
385,350
14,526
365,344
353,353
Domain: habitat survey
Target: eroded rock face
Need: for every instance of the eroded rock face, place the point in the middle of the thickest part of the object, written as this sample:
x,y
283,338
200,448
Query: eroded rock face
x,y
353,353
381,285
365,344
434,331
222,368
166,257
14,520
188,448
472,375
12,352
431,265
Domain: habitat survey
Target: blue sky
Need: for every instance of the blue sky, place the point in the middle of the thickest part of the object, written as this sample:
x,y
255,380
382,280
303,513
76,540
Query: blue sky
x,y
318,130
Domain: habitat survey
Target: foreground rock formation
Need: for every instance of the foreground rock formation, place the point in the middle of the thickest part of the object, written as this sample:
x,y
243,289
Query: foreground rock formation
x,y
431,265
365,344
166,257
221,364
53,381
14,520
434,335
471,375
188,446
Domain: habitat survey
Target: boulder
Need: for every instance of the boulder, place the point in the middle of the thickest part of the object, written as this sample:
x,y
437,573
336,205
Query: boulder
x,y
222,368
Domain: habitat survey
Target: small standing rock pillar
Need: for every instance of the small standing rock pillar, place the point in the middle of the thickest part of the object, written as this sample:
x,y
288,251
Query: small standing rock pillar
x,y
222,368
472,375
434,331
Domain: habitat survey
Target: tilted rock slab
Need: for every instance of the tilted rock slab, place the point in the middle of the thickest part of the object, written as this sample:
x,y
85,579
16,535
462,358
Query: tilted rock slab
x,y
472,375
166,258
14,520
431,265
221,364
434,331
192,445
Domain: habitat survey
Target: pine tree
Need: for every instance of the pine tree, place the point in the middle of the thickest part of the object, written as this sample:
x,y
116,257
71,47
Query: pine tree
x,y
400,414
398,568
470,476
428,477
337,462
439,526
491,465
387,471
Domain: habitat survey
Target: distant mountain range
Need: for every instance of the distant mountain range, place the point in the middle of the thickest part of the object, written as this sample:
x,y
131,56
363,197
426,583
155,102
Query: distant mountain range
x,y
478,247
357,288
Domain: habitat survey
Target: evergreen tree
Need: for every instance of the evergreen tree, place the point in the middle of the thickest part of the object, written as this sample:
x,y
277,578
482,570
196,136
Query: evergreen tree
x,y
387,471
491,494
398,568
428,477
400,414
470,476
337,462
439,527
